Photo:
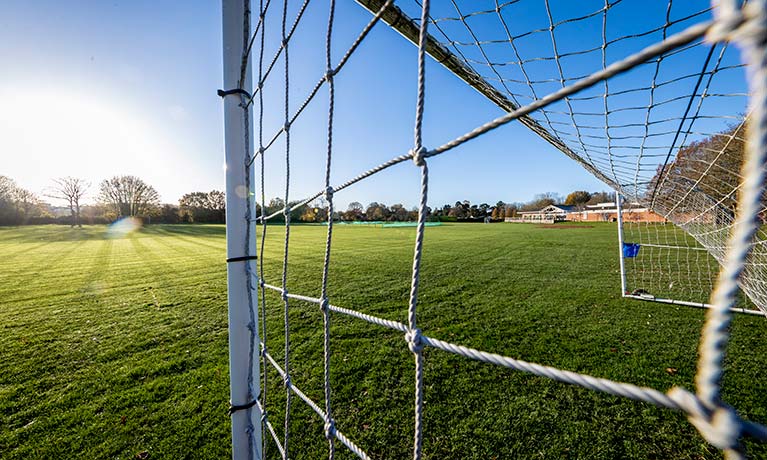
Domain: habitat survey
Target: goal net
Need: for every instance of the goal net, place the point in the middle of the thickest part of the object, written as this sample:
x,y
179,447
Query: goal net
x,y
649,97
663,263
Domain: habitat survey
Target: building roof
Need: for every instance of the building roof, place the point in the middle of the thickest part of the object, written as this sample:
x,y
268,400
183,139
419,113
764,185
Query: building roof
x,y
552,208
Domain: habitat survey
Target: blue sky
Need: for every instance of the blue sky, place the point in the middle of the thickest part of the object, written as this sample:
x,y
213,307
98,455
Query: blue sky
x,y
95,89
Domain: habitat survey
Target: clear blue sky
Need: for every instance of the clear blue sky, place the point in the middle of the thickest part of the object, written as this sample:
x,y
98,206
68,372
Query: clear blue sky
x,y
95,89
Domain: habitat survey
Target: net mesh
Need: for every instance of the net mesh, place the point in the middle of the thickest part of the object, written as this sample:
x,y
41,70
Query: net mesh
x,y
604,91
668,134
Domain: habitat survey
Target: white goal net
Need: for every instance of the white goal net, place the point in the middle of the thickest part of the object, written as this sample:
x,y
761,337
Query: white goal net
x,y
656,105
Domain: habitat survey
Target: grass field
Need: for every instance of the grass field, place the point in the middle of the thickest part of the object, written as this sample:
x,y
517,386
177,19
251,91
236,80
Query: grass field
x,y
117,348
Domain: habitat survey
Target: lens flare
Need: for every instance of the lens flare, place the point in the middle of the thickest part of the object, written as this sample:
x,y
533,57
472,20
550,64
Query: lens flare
x,y
124,227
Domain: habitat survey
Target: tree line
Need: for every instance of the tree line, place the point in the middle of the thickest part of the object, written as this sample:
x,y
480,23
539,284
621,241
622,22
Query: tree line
x,y
115,198
130,196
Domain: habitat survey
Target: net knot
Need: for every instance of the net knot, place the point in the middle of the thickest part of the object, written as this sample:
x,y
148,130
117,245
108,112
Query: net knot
x,y
286,211
263,351
747,24
262,283
330,428
418,156
414,340
285,294
286,126
721,427
324,304
286,382
329,193
264,417
329,74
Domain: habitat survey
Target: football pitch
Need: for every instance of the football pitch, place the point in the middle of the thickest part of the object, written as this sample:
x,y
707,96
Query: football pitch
x,y
116,347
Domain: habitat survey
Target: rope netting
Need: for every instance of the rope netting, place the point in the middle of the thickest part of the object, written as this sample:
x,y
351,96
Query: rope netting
x,y
670,266
668,133
604,99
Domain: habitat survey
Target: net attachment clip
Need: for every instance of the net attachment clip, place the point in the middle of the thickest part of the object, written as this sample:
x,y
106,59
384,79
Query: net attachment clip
x,y
241,258
223,93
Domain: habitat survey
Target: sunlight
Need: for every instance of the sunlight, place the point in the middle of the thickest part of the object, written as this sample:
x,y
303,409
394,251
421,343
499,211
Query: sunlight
x,y
54,133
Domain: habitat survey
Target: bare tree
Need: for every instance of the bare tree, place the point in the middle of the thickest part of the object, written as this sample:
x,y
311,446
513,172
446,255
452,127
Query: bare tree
x,y
71,190
128,196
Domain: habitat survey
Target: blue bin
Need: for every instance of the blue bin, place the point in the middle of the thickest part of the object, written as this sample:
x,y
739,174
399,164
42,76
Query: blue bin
x,y
630,249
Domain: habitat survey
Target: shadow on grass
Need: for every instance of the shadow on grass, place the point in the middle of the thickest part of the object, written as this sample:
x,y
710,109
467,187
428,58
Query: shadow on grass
x,y
44,234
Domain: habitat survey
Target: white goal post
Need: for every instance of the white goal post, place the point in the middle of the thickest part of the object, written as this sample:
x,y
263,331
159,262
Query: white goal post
x,y
244,362
677,155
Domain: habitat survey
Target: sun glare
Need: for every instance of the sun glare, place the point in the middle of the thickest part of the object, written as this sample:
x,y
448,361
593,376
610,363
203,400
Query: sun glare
x,y
47,134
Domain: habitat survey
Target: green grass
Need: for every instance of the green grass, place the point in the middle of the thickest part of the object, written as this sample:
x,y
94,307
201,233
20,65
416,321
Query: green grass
x,y
112,347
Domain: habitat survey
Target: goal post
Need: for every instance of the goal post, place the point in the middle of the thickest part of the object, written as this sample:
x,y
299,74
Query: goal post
x,y
242,298
661,263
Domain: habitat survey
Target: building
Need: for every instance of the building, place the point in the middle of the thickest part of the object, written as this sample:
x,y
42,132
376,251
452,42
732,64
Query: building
x,y
550,214
600,212
607,212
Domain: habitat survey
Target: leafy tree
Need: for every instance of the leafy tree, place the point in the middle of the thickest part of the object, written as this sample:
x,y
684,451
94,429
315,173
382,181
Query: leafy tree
x,y
203,207
315,212
461,210
128,196
376,211
601,197
7,207
168,214
17,205
354,211
578,198
399,213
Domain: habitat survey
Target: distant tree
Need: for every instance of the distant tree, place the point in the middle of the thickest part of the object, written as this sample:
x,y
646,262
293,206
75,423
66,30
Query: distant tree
x,y
578,198
275,204
27,205
309,214
511,210
71,190
128,196
354,211
399,213
376,211
314,212
706,170
168,214
17,205
203,207
498,211
601,197
461,210
7,208
541,201
217,203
